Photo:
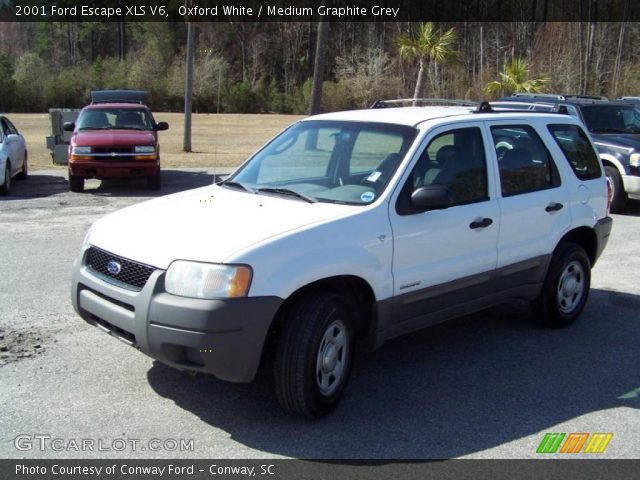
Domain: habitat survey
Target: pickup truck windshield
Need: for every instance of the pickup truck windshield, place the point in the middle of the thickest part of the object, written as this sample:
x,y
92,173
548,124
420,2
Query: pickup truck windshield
x,y
115,118
327,161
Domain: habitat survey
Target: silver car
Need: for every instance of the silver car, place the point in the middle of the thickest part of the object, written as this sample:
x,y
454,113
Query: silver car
x,y
13,155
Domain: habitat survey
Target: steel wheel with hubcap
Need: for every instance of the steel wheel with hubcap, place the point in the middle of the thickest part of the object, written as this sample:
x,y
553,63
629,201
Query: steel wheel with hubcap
x,y
571,287
314,354
332,358
566,287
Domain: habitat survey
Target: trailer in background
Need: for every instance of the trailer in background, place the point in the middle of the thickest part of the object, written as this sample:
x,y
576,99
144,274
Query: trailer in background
x,y
58,142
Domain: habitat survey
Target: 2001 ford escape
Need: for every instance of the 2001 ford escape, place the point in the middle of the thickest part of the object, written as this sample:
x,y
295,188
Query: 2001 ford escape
x,y
351,226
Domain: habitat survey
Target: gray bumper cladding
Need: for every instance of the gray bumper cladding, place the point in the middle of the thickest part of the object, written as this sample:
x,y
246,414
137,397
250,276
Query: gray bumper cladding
x,y
222,337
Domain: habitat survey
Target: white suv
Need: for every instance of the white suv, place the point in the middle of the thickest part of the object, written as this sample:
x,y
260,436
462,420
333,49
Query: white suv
x,y
351,227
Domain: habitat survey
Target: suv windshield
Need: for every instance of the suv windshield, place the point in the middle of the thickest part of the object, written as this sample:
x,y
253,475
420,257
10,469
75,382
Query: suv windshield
x,y
328,161
115,118
611,118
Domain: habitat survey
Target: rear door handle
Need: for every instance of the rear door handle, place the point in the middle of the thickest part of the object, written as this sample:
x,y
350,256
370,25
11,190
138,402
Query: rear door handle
x,y
480,223
554,207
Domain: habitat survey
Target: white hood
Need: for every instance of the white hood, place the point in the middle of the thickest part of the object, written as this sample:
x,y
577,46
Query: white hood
x,y
206,224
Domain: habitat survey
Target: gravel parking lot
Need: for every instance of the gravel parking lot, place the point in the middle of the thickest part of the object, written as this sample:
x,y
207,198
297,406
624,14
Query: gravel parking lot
x,y
488,385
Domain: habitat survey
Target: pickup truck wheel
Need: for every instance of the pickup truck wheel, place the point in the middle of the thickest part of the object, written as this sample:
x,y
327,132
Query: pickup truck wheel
x,y
76,183
314,355
5,188
619,196
154,182
566,287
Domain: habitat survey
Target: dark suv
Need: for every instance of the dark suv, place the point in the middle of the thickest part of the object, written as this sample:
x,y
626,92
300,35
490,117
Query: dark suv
x,y
614,127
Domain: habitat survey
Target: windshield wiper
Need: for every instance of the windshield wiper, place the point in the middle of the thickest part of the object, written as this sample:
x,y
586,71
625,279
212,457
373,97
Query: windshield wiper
x,y
94,128
287,191
237,185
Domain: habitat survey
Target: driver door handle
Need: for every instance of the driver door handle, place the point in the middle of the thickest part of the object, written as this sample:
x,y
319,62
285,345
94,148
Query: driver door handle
x,y
554,207
480,223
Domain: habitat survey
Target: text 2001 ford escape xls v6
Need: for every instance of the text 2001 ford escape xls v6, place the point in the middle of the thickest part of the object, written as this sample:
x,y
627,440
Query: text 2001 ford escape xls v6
x,y
351,226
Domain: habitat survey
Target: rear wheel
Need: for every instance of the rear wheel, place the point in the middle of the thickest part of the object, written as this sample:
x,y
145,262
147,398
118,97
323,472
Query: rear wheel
x,y
314,355
5,188
76,183
566,287
618,195
25,169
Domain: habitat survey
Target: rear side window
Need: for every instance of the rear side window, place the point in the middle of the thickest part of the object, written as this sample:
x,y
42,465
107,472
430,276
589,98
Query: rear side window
x,y
578,150
524,162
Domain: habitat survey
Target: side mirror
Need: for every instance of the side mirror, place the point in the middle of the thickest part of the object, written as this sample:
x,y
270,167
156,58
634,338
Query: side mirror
x,y
162,126
68,126
432,197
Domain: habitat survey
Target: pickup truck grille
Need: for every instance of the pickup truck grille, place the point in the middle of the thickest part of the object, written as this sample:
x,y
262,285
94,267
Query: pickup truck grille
x,y
131,274
118,150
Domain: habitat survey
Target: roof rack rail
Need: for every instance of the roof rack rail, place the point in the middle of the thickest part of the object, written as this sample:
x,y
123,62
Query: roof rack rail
x,y
588,97
485,107
424,101
553,96
119,96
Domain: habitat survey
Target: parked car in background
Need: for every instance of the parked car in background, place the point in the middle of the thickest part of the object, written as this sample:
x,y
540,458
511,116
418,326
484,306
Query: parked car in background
x,y
13,155
615,129
351,227
114,137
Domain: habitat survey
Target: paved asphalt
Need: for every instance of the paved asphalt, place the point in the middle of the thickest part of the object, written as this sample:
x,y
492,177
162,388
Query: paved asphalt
x,y
488,385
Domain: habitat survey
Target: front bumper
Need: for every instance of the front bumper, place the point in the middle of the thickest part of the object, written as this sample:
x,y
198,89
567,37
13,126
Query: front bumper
x,y
631,184
87,169
223,337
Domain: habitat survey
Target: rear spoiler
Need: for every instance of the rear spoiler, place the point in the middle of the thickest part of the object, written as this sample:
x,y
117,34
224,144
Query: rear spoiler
x,y
119,96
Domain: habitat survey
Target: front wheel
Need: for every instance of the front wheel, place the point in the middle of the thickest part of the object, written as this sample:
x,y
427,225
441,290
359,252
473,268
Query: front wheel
x,y
566,287
76,183
154,182
314,355
5,188
25,169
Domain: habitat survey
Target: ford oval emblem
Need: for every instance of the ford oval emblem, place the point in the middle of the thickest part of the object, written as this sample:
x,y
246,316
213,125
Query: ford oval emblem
x,y
113,267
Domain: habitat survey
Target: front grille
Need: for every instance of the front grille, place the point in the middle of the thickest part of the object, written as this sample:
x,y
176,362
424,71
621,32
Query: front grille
x,y
118,150
131,274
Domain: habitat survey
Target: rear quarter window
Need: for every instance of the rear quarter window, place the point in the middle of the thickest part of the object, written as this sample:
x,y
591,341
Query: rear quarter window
x,y
578,150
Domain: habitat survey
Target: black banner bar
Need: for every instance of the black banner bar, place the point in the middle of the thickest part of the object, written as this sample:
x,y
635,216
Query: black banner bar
x,y
583,469
314,10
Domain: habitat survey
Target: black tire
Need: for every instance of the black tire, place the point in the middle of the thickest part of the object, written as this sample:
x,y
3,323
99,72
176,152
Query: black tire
x,y
566,287
620,198
5,188
154,182
317,322
76,183
25,169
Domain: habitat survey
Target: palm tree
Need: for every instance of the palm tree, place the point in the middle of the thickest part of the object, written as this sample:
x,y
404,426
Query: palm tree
x,y
515,78
428,45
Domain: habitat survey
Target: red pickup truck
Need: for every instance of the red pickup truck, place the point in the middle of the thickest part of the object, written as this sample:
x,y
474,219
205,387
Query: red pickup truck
x,y
115,136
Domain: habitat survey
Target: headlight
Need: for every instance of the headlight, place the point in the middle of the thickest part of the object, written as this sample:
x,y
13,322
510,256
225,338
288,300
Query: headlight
x,y
634,160
145,149
207,280
80,150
